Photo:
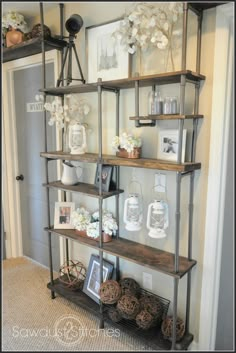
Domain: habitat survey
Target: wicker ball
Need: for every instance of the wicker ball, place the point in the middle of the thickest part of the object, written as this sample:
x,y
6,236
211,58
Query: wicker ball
x,y
153,305
114,314
37,31
144,319
167,325
128,306
72,274
129,286
110,292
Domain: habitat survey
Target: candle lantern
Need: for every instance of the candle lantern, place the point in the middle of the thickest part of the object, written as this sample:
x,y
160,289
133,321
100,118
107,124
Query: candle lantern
x,y
157,219
133,209
77,138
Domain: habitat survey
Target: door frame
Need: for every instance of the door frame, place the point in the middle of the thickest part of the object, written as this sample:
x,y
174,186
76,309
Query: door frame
x,y
11,188
221,100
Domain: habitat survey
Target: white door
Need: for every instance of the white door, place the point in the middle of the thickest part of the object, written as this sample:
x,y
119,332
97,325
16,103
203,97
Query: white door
x,y
27,199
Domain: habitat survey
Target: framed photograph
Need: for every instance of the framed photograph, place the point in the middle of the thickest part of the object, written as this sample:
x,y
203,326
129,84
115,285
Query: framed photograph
x,y
106,57
168,145
106,177
62,215
92,280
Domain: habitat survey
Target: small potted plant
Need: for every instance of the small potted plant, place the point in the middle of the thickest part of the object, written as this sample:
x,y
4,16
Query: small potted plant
x,y
80,219
109,226
13,27
127,145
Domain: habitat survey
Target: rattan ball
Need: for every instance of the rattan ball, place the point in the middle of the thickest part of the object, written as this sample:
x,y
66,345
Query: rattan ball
x,y
110,292
167,325
72,274
129,286
114,314
128,306
144,320
37,31
151,304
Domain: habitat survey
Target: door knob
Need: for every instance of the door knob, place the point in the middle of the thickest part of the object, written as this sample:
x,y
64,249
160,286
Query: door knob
x,y
20,177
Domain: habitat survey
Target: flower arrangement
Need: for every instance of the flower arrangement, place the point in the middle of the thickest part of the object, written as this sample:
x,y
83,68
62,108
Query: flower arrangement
x,y
80,218
14,20
150,25
127,141
109,224
71,110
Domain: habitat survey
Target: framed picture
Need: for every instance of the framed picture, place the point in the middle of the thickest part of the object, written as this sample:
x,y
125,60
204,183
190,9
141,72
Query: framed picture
x,y
92,280
168,145
106,57
62,215
106,177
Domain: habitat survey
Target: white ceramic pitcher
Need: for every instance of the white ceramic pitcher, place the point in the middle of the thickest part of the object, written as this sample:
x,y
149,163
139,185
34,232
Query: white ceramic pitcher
x,y
69,174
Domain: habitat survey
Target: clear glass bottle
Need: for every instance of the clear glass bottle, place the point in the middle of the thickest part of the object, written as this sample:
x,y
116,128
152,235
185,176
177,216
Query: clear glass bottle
x,y
174,105
158,102
167,106
151,103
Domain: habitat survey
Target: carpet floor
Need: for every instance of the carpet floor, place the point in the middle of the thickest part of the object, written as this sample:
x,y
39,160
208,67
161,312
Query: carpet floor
x,y
32,321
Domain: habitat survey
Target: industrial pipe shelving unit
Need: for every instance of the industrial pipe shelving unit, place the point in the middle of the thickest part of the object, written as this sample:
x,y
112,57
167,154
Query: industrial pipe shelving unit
x,y
171,264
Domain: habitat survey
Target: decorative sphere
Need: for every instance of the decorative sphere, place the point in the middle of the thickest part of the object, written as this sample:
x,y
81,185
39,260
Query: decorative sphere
x,y
110,292
129,286
72,274
166,328
144,319
128,306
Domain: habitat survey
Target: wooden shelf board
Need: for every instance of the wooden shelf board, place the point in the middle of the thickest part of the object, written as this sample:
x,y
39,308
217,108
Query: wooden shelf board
x,y
152,337
126,162
156,259
87,189
144,81
166,117
31,47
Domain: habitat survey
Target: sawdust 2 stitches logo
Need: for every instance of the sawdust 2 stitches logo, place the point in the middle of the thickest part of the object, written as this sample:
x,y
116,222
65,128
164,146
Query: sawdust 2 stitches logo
x,y
69,330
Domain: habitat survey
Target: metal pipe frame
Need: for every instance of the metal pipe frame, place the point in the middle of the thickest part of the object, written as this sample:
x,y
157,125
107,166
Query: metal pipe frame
x,y
46,147
184,44
199,37
117,169
101,325
175,304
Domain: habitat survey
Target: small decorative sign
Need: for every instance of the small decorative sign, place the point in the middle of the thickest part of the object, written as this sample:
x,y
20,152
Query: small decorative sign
x,y
34,107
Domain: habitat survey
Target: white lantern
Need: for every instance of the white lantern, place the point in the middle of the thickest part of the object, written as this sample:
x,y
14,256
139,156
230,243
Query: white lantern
x,y
77,138
157,219
133,212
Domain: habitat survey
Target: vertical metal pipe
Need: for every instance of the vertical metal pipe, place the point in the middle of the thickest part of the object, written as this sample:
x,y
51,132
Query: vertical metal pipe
x,y
199,37
177,220
136,97
117,169
184,44
181,111
46,147
175,304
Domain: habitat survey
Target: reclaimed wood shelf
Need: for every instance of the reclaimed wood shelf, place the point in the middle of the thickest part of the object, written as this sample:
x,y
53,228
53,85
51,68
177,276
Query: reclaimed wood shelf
x,y
147,256
31,47
84,188
148,163
144,81
152,337
167,117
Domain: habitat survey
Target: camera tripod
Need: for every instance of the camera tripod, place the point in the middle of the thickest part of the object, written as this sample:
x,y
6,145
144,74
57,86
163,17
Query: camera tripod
x,y
69,79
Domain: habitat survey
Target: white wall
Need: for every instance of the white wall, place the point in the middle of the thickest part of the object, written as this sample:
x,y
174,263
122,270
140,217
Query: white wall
x,y
96,13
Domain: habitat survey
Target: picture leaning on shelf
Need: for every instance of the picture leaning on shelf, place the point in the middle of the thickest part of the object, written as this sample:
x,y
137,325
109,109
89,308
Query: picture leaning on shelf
x,y
168,144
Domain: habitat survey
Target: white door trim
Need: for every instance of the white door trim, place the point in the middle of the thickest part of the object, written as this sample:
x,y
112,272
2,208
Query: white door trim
x,y
11,188
222,86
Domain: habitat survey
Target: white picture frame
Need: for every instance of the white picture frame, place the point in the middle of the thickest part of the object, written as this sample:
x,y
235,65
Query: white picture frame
x,y
62,215
106,57
167,148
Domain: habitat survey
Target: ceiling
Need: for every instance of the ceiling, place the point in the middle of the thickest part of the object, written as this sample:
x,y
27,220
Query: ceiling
x,y
27,9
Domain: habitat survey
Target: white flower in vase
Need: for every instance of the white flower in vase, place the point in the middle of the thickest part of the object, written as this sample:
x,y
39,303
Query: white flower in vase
x,y
80,219
127,141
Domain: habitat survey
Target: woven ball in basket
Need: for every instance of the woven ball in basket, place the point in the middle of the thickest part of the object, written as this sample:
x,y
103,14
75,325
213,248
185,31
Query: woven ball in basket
x,y
128,306
144,319
167,325
151,304
110,292
129,286
114,314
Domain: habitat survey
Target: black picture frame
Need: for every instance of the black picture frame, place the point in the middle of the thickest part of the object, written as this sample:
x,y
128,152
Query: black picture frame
x,y
92,281
106,177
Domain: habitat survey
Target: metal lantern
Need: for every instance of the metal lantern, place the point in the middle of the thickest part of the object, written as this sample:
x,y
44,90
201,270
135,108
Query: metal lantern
x,y
133,212
157,219
77,138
